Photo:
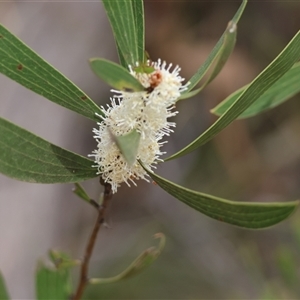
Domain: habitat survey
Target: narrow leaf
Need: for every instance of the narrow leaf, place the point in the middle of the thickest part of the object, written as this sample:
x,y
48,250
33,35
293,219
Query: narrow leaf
x,y
220,59
122,20
138,9
115,75
81,193
139,264
278,67
282,90
3,290
27,157
52,283
20,63
243,214
221,51
128,145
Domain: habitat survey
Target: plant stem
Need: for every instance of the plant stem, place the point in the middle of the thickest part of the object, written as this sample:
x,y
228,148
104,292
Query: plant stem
x,y
83,281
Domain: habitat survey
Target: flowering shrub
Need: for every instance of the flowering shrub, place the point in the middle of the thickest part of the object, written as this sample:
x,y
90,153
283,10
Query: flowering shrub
x,y
131,132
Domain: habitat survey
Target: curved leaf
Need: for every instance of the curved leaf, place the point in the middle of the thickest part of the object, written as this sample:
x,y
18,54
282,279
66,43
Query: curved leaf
x,y
27,157
221,51
278,67
115,75
282,90
20,63
220,59
122,20
139,264
243,214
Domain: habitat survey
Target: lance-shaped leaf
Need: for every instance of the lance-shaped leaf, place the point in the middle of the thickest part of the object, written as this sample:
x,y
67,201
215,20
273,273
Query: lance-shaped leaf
x,y
54,282
121,15
138,265
138,9
219,54
128,145
27,157
278,67
81,193
20,63
3,291
220,59
282,90
115,75
243,214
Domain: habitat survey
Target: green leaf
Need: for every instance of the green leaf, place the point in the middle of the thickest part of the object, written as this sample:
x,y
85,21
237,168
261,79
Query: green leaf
x,y
53,283
138,9
20,63
3,291
62,260
282,90
27,157
128,145
81,193
115,75
220,59
278,67
243,214
139,264
220,52
122,20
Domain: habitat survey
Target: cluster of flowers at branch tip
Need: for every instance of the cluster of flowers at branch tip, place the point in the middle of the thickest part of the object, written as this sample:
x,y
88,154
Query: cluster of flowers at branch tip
x,y
147,113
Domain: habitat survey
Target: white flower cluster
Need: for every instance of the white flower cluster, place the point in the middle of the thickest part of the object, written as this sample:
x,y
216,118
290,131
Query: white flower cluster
x,y
146,112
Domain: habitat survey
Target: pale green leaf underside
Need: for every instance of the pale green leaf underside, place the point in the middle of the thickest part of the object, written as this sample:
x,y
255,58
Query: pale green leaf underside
x,y
222,49
27,157
283,89
128,145
278,67
243,214
20,63
122,21
3,290
115,75
52,283
143,261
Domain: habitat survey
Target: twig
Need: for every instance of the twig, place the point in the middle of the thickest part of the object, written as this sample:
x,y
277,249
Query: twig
x,y
83,281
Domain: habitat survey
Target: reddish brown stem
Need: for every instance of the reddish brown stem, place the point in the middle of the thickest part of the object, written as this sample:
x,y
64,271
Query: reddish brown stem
x,y
83,280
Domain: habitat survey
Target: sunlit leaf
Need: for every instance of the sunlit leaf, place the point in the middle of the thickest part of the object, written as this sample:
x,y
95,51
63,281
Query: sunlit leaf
x,y
282,90
243,214
278,67
27,157
139,264
3,291
220,52
115,75
122,20
20,63
128,145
